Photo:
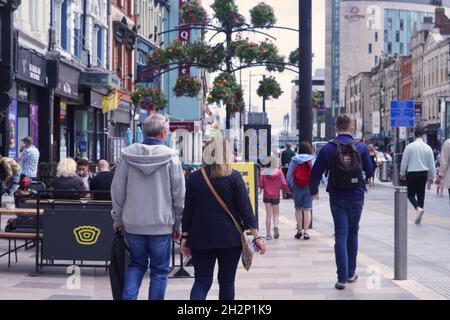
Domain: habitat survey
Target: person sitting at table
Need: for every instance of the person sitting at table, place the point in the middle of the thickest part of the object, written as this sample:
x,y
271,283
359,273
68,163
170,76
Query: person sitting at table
x,y
10,172
67,179
102,181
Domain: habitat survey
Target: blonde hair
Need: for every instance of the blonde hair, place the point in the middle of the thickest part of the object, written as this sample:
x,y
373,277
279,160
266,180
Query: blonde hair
x,y
218,155
371,147
66,168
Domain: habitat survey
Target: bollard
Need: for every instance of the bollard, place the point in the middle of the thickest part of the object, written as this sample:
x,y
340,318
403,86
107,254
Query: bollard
x,y
401,234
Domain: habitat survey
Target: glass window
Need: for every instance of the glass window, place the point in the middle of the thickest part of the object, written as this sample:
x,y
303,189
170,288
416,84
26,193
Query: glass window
x,y
390,23
401,48
370,48
389,47
402,24
376,36
397,36
85,135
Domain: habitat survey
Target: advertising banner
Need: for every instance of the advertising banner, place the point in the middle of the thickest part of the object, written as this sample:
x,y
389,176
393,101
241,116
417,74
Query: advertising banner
x,y
34,124
249,174
12,130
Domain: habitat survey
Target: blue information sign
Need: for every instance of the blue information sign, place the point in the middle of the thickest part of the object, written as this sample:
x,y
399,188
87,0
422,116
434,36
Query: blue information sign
x,y
402,114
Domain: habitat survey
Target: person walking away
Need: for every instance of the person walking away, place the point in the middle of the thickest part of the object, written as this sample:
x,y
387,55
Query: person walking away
x,y
298,179
270,180
102,181
66,180
418,169
148,198
209,233
345,159
84,172
29,157
10,172
444,168
373,156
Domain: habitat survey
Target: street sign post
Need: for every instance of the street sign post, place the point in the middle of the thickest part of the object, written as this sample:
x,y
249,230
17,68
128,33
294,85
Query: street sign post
x,y
402,114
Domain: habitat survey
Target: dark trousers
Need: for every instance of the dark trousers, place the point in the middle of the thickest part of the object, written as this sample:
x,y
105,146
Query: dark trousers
x,y
204,262
417,183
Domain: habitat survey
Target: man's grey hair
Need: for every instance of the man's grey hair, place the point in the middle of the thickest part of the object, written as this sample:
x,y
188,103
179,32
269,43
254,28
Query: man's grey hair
x,y
155,124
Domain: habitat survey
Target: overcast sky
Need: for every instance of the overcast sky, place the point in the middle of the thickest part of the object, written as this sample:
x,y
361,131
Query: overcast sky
x,y
286,12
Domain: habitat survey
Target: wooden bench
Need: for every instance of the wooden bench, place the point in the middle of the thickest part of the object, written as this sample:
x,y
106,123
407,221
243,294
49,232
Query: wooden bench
x,y
14,236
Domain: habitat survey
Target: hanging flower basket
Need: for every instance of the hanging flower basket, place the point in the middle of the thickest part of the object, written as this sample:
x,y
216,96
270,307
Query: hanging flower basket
x,y
149,99
262,16
158,60
294,57
193,12
187,86
269,88
227,12
177,51
226,91
245,50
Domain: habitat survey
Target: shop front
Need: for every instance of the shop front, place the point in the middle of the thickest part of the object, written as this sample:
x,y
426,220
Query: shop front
x,y
120,120
29,114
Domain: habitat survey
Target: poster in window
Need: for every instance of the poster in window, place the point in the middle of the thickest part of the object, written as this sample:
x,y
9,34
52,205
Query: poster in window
x,y
34,124
83,144
12,130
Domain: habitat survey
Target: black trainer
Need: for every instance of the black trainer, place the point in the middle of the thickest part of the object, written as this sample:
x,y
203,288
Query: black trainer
x,y
299,234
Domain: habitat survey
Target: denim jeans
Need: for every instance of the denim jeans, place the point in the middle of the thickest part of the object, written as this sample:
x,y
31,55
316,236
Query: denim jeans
x,y
157,248
204,262
346,216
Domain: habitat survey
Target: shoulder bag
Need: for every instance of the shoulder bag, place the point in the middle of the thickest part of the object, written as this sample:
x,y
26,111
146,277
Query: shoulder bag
x,y
247,244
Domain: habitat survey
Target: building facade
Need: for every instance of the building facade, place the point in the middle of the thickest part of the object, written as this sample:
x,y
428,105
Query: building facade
x,y
358,104
359,33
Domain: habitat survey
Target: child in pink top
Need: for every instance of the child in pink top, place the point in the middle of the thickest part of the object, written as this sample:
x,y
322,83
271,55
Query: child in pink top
x,y
270,181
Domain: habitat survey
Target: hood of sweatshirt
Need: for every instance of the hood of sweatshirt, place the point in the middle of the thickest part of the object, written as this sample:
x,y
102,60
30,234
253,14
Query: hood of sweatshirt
x,y
148,158
302,158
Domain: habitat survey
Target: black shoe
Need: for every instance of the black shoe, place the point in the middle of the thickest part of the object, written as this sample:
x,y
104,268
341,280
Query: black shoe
x,y
339,286
306,236
299,234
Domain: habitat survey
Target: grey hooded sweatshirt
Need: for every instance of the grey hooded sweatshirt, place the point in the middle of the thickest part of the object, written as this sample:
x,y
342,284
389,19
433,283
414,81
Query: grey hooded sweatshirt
x,y
148,190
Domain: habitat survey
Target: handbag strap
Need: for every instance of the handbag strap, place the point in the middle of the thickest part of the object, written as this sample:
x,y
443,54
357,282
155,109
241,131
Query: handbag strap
x,y
220,201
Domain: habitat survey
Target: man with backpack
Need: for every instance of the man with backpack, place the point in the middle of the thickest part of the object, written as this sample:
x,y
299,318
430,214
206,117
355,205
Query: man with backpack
x,y
298,181
344,159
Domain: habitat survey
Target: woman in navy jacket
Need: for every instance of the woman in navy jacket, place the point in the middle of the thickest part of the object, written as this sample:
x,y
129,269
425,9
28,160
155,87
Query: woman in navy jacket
x,y
209,233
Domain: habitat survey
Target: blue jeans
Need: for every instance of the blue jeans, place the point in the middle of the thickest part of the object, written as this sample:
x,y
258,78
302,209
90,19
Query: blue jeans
x,y
143,248
204,262
346,216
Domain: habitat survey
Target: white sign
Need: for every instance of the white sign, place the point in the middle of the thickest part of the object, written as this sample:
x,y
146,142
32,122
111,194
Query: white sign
x,y
402,133
359,128
315,130
376,122
322,130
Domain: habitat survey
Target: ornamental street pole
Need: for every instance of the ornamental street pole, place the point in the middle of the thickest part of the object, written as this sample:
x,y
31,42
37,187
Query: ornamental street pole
x,y
304,120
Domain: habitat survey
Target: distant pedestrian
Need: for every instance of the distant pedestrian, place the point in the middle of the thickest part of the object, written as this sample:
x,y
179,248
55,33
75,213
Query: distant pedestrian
x,y
418,169
84,172
345,159
298,179
148,199
439,186
67,180
29,157
444,168
373,156
286,157
209,232
270,181
102,181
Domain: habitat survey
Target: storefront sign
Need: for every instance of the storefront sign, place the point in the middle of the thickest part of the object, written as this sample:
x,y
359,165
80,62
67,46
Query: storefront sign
x,y
68,82
188,126
100,79
12,130
184,36
248,172
34,124
32,68
354,15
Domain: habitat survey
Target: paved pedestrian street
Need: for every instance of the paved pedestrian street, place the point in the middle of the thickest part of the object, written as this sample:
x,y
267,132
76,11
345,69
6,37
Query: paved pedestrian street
x,y
291,269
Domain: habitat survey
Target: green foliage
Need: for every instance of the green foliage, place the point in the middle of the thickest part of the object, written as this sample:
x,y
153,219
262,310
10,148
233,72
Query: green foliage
x,y
227,91
269,88
226,11
193,12
187,86
262,16
149,98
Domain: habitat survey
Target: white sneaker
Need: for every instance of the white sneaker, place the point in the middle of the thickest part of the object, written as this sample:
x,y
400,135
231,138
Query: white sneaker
x,y
420,213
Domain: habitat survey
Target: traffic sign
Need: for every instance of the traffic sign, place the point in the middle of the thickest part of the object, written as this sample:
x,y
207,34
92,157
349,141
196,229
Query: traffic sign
x,y
402,114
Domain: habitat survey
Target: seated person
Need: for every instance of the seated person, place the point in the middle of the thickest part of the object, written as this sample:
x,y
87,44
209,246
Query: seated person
x,y
102,181
67,180
84,172
10,172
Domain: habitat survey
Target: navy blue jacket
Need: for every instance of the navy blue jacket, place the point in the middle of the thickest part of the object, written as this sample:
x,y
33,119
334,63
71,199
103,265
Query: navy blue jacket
x,y
323,163
208,224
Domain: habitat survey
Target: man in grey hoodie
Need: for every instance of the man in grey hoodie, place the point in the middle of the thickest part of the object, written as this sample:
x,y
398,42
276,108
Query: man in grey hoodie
x,y
148,200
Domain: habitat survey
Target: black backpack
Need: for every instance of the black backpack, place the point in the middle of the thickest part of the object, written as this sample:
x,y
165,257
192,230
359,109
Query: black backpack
x,y
346,167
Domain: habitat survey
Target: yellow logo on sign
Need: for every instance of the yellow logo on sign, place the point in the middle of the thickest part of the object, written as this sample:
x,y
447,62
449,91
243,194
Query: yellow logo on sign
x,y
86,235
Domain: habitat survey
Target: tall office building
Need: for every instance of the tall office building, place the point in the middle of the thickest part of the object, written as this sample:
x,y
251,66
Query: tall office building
x,y
359,33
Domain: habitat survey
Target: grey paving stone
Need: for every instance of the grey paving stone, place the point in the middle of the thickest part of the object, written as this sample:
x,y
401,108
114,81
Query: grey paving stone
x,y
38,285
68,297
